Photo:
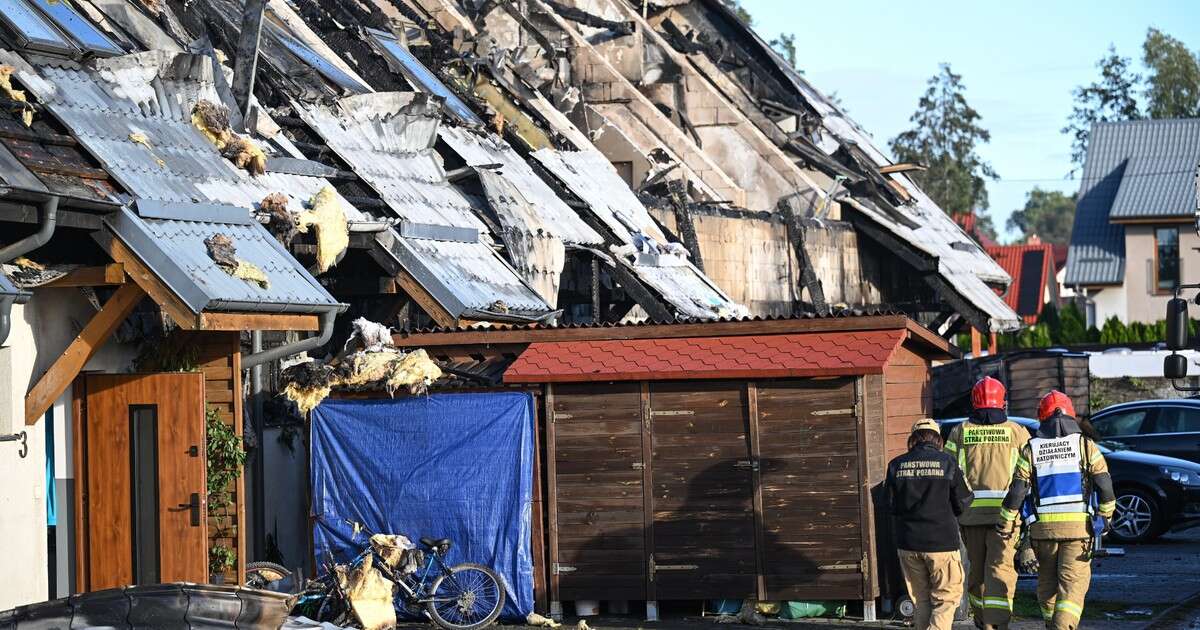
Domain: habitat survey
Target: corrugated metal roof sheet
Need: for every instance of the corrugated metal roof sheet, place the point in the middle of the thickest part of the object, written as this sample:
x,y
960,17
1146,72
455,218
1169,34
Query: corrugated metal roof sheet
x,y
463,276
593,179
175,250
387,138
551,214
1134,170
153,93
590,176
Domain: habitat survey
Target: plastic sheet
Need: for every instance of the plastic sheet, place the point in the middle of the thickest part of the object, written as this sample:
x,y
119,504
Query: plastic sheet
x,y
457,466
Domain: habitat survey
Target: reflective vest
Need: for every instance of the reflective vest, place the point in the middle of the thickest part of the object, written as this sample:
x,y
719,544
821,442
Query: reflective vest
x,y
1058,489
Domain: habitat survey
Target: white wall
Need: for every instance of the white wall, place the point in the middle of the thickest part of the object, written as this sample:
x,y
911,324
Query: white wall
x,y
41,331
1109,301
23,490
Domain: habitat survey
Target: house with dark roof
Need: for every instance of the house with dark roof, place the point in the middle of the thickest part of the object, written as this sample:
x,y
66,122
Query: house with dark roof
x,y
1134,239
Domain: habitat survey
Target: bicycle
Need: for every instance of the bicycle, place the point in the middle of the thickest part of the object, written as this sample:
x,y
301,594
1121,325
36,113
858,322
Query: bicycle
x,y
465,596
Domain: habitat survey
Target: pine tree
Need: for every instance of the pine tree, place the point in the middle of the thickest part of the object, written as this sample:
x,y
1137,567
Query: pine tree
x,y
945,136
1110,98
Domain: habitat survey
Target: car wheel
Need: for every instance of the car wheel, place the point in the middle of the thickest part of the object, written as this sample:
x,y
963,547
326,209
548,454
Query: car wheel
x,y
1137,519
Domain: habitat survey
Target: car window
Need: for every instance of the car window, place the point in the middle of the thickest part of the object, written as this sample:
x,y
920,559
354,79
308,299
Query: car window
x,y
1121,423
1177,420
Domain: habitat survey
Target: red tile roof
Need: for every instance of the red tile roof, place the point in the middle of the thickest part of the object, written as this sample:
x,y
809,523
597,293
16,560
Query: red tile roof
x,y
750,356
1011,258
969,222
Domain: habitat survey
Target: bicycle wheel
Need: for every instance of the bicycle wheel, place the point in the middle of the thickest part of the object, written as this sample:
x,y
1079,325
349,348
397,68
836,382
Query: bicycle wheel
x,y
260,574
470,597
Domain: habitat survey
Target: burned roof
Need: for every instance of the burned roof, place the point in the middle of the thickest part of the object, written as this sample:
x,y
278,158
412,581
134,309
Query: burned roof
x,y
169,238
9,291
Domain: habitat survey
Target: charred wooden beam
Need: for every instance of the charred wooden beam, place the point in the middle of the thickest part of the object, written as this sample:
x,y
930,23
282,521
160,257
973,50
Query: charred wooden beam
x,y
808,278
245,65
43,138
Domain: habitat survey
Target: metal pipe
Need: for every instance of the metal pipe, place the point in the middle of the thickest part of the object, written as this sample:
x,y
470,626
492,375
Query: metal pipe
x,y
259,483
304,345
49,216
263,307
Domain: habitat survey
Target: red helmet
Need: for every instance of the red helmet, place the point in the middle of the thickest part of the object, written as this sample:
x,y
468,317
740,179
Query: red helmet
x,y
988,393
1055,401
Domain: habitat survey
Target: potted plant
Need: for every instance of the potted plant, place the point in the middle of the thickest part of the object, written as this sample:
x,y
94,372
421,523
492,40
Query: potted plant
x,y
220,558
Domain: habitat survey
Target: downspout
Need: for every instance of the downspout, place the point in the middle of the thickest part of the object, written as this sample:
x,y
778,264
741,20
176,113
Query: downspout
x,y
304,345
49,218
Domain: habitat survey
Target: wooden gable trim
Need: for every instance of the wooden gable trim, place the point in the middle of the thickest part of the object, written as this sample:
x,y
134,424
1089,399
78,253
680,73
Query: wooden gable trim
x,y
654,331
64,369
259,321
102,276
149,282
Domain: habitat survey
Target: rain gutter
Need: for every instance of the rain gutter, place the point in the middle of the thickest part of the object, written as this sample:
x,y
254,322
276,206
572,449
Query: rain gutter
x,y
49,220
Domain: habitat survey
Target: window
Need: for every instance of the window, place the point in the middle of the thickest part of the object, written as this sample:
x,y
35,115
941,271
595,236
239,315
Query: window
x,y
143,472
54,26
1121,423
422,78
1166,259
1177,420
31,29
86,36
318,63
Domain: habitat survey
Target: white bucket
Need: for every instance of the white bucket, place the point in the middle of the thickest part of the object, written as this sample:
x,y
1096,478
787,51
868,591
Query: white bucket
x,y
587,607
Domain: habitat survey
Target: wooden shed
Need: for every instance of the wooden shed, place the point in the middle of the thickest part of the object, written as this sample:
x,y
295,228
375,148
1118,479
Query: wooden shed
x,y
714,460
1028,375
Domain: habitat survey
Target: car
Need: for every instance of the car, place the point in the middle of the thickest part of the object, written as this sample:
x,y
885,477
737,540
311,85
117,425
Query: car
x,y
1168,427
1155,493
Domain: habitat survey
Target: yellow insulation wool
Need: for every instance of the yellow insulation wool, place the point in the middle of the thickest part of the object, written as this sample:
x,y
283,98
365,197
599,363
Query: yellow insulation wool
x,y
138,137
246,155
333,231
247,270
370,596
14,94
212,120
416,371
306,399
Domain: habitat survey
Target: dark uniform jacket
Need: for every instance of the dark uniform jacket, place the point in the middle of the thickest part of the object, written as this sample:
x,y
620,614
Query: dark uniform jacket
x,y
925,493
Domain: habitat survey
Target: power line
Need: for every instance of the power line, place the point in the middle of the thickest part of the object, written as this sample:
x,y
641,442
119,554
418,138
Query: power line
x,y
1075,179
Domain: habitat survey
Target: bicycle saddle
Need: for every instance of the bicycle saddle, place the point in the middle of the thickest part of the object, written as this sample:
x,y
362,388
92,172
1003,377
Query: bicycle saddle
x,y
435,543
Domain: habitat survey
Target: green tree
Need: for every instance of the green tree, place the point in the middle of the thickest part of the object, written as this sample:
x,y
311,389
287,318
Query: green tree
x,y
740,11
1109,98
1072,326
1047,213
944,137
1173,85
785,45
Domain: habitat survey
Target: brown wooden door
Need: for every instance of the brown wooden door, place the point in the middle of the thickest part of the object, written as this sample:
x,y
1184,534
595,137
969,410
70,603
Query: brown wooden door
x,y
809,463
597,519
144,516
703,516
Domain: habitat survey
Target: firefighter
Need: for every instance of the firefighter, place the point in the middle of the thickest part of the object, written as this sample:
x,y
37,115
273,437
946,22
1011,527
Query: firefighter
x,y
1061,468
987,446
924,493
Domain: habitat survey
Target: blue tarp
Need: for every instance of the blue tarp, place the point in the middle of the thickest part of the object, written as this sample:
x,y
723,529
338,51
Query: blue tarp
x,y
457,466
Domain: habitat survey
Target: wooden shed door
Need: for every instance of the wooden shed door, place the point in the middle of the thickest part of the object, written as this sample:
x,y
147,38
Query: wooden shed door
x,y
143,454
703,516
812,503
597,539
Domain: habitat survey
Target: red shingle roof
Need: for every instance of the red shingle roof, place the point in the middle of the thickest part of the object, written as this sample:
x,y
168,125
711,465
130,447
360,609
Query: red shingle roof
x,y
750,356
1012,259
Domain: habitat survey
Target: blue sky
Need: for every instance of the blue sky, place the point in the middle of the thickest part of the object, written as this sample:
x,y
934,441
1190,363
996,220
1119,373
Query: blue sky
x,y
1019,61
